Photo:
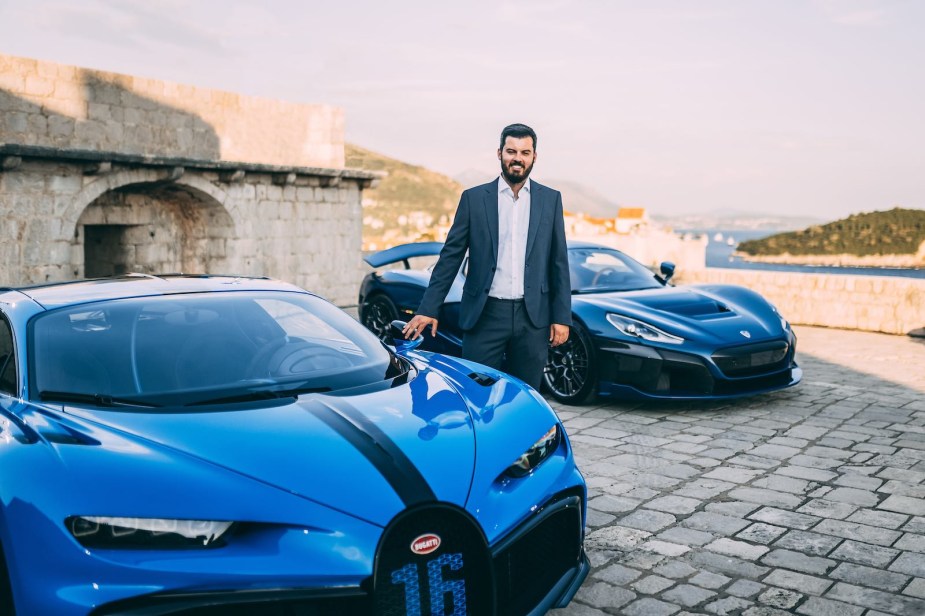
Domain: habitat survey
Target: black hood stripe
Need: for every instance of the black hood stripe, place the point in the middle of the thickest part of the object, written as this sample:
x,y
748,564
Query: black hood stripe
x,y
377,447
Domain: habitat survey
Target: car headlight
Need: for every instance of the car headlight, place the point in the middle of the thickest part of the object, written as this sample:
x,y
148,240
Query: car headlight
x,y
534,456
783,322
149,533
638,329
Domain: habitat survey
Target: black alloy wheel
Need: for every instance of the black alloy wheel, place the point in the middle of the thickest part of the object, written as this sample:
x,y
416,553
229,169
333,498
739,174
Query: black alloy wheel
x,y
378,314
570,374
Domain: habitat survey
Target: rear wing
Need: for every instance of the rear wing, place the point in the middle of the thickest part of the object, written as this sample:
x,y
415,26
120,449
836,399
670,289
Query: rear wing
x,y
403,253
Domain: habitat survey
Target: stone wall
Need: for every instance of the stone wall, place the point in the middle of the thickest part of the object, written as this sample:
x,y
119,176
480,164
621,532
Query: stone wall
x,y
892,305
57,106
303,233
103,173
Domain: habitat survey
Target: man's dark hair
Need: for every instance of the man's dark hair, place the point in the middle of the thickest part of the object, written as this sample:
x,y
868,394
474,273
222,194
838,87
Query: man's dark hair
x,y
518,131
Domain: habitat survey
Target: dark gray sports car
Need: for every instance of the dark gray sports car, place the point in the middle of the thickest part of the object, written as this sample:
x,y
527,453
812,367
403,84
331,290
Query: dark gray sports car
x,y
635,335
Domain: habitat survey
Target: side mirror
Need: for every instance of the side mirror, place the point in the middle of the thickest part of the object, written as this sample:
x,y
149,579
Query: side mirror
x,y
398,338
667,270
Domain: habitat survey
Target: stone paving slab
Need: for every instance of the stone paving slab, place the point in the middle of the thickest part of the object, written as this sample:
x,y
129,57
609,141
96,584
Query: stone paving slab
x,y
806,501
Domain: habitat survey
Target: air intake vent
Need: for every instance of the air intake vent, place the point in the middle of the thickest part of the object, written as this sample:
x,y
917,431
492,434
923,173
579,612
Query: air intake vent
x,y
483,379
753,359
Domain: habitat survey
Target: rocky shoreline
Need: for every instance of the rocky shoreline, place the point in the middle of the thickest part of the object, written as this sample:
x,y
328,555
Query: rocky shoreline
x,y
842,260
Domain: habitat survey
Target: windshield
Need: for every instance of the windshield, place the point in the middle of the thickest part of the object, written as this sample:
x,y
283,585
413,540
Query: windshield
x,y
202,347
598,270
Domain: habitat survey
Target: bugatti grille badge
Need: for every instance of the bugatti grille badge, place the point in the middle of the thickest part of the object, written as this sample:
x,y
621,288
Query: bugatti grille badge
x,y
746,333
425,544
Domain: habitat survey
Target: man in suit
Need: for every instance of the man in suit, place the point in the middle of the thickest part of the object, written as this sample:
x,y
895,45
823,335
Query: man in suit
x,y
517,297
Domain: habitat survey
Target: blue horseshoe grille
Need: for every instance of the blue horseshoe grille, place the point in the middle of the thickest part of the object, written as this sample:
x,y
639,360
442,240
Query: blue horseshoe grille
x,y
456,579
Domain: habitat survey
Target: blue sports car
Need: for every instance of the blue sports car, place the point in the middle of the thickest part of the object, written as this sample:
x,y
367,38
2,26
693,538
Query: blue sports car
x,y
217,445
635,336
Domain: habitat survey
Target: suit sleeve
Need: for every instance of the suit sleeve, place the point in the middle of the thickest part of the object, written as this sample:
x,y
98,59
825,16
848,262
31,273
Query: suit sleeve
x,y
560,284
451,256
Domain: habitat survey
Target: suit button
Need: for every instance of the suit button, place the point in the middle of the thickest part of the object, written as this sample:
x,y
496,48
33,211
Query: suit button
x,y
486,291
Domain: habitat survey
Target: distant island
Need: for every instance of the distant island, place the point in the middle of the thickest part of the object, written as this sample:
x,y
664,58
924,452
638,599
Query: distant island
x,y
892,238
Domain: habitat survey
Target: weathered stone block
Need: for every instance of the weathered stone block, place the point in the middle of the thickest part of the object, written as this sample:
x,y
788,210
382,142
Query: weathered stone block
x,y
808,542
869,576
739,549
797,581
13,123
817,606
688,595
38,87
904,504
652,584
857,532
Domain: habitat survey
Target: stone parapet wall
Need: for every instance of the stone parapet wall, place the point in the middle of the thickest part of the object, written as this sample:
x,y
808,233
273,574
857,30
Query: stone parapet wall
x,y
304,233
844,260
51,105
892,305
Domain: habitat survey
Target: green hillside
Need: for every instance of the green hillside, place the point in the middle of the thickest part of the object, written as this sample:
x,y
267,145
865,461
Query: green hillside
x,y
893,232
425,198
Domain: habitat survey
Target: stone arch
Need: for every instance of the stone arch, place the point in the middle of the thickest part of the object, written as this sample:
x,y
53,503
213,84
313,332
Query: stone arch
x,y
112,181
142,221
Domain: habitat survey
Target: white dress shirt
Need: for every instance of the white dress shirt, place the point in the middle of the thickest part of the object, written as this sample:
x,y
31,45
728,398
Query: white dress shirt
x,y
513,222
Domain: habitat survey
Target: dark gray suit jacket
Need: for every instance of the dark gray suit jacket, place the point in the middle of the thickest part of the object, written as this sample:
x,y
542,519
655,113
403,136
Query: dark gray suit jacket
x,y
547,288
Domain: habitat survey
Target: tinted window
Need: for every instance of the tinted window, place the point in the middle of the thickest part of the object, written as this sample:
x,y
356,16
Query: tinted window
x,y
7,359
598,270
188,348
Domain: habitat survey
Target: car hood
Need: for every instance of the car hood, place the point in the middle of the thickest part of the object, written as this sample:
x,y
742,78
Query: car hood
x,y
369,455
713,315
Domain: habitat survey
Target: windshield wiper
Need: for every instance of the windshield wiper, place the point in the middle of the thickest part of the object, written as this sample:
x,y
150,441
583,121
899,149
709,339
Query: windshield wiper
x,y
95,399
609,290
260,394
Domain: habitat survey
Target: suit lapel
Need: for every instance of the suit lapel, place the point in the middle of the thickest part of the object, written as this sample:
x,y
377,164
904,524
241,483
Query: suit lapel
x,y
490,201
536,214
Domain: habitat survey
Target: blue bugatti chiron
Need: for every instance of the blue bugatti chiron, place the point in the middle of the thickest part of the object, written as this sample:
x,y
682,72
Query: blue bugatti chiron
x,y
217,445
635,335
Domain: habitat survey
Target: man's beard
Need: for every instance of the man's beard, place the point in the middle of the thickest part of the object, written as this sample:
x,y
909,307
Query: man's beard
x,y
514,177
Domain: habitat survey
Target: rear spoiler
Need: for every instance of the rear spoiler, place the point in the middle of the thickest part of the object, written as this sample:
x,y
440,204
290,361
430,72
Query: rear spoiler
x,y
403,253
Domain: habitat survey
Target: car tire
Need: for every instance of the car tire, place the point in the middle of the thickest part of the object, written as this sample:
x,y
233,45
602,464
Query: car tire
x,y
378,314
570,375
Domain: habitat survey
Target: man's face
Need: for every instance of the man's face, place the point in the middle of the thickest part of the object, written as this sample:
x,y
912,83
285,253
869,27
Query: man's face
x,y
517,158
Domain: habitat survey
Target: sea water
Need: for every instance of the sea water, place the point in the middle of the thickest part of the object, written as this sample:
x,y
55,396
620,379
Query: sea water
x,y
723,244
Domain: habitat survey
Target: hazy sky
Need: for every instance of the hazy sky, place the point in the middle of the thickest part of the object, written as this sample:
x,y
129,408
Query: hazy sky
x,y
789,106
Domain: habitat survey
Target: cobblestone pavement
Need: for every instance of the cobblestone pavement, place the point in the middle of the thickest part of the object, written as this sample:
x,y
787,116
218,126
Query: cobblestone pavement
x,y
807,501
